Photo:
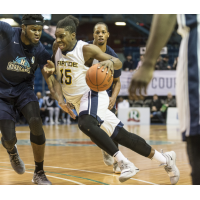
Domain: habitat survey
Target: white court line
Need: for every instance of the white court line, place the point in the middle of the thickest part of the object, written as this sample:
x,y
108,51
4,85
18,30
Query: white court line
x,y
21,131
93,172
51,176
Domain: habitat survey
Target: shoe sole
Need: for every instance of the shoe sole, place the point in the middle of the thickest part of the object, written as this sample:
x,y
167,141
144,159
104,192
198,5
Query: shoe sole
x,y
123,179
174,157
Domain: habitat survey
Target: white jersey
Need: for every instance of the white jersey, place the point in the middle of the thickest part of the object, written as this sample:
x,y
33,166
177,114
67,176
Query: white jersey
x,y
71,71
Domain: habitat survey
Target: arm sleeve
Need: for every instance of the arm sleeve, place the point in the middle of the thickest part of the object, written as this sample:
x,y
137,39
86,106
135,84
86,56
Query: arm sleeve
x,y
43,57
6,33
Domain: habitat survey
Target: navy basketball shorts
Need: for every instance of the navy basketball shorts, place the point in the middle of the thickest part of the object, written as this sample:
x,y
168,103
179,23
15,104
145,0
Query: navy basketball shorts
x,y
9,106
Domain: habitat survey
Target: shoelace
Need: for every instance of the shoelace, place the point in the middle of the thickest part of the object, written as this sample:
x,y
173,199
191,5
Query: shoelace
x,y
15,158
41,175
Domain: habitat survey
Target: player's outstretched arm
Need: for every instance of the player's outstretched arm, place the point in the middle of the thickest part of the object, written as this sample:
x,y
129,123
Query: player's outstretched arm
x,y
92,51
56,92
161,29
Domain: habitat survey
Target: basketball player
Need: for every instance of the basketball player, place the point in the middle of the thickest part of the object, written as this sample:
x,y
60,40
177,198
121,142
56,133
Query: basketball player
x,y
20,54
101,35
188,83
95,119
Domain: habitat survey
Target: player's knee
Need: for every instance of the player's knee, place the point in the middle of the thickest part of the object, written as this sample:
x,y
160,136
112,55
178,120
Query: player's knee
x,y
35,124
9,144
86,123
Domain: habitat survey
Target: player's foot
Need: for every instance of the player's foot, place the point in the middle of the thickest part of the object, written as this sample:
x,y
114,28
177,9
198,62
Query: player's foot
x,y
127,170
116,168
16,162
107,159
40,178
171,167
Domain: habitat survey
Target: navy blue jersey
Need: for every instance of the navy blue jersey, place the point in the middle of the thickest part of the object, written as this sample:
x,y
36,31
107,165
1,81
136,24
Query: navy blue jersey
x,y
117,73
18,62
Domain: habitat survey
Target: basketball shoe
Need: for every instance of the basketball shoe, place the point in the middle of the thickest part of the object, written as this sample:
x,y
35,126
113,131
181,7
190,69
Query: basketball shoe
x,y
107,159
116,168
128,170
16,162
40,178
170,167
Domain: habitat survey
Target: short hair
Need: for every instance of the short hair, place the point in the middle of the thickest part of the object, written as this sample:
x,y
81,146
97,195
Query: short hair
x,y
33,16
69,23
101,23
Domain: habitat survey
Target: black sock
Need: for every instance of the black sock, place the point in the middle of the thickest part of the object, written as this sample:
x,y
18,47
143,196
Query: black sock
x,y
13,150
38,166
133,142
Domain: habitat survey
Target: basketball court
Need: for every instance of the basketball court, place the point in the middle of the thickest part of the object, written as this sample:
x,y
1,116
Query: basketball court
x,y
72,159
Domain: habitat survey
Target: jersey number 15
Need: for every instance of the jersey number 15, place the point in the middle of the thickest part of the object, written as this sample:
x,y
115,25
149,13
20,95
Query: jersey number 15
x,y
68,78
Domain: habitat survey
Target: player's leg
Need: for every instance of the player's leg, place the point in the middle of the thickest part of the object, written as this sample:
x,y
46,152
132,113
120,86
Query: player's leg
x,y
28,105
193,149
114,127
92,112
9,139
108,159
37,137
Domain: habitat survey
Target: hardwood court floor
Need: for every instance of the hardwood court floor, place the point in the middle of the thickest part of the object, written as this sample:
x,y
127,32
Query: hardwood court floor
x,y
72,159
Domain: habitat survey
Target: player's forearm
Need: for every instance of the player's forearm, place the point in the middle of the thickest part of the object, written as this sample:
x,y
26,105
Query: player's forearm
x,y
161,29
57,91
54,87
117,63
116,88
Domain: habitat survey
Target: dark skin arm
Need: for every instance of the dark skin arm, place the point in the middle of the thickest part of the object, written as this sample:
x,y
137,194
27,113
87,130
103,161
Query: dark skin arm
x,y
161,29
94,52
115,91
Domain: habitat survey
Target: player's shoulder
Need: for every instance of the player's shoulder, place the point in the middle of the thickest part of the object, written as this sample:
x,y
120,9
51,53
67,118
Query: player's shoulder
x,y
110,51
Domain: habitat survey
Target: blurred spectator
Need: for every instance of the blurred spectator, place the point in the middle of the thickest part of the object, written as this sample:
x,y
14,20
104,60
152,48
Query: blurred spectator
x,y
175,63
43,112
156,108
164,65
170,101
158,63
128,64
140,62
123,103
50,104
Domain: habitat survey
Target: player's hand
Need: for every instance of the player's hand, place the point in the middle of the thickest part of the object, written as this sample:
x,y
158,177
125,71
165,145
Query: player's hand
x,y
140,81
70,105
107,64
65,107
49,68
111,102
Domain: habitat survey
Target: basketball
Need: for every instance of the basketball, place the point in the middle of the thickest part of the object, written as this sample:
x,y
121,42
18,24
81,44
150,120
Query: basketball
x,y
98,80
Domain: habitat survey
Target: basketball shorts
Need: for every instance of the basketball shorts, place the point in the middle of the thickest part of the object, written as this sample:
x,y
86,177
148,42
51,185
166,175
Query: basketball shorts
x,y
9,106
188,83
96,104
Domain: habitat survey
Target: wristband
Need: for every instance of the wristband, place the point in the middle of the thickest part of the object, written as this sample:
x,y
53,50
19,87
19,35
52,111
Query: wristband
x,y
112,61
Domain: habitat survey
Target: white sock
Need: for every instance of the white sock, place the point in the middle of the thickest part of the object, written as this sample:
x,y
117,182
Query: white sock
x,y
158,157
118,156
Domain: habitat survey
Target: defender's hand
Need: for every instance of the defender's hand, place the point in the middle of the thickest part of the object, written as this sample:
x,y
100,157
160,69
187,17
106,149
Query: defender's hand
x,y
111,102
67,110
49,68
107,64
140,81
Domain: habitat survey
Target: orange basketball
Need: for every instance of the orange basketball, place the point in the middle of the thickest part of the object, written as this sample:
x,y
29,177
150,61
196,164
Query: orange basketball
x,y
98,80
